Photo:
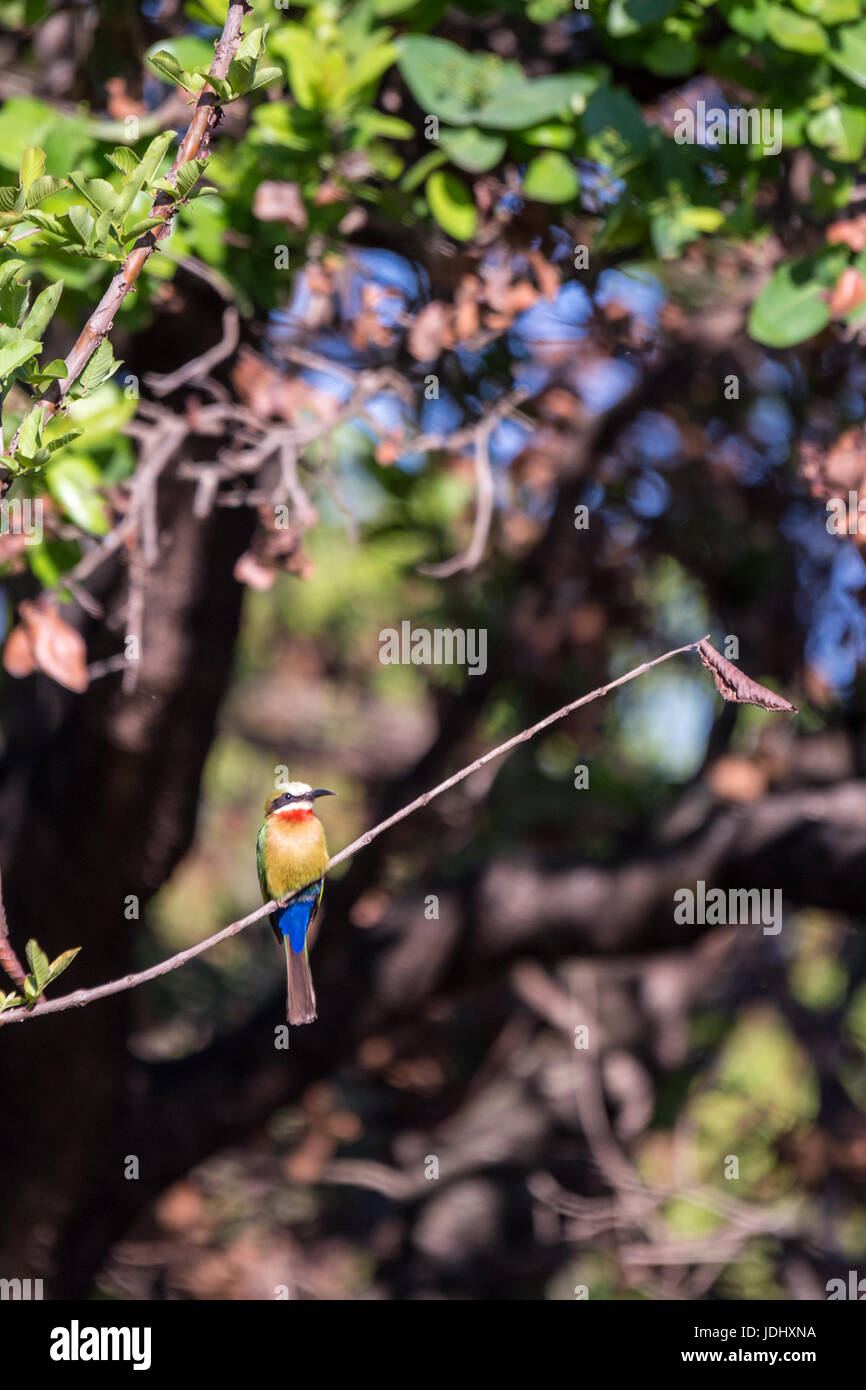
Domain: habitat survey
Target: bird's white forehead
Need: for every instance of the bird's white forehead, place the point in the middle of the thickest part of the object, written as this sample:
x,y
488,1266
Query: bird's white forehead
x,y
296,788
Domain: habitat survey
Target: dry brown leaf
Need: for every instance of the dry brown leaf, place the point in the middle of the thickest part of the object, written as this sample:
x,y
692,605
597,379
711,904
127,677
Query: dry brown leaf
x,y
466,317
330,192
522,295
18,653
369,330
734,685
119,101
12,544
59,651
280,201
735,778
839,469
253,572
318,279
849,231
389,449
545,273
431,331
849,291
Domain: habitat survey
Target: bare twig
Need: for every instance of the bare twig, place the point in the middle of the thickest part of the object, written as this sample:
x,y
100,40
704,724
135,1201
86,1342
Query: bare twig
x,y
474,552
481,432
87,996
8,959
305,512
198,367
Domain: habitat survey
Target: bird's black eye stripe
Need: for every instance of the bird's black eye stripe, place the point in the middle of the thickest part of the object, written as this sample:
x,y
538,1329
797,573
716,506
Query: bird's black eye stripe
x,y
285,800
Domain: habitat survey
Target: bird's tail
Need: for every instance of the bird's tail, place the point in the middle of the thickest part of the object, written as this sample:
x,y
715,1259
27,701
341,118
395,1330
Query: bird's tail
x,y
302,996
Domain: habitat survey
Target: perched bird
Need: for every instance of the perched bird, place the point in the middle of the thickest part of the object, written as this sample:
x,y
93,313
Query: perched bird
x,y
291,854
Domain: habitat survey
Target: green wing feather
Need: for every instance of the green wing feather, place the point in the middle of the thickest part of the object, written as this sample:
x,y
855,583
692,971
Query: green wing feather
x,y
260,861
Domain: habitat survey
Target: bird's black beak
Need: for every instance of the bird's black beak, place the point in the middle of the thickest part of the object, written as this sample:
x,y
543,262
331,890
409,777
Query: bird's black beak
x,y
322,792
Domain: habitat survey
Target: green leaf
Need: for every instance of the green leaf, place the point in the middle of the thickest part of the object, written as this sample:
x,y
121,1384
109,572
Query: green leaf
x,y
372,123
13,297
452,205
670,56
221,86
841,130
10,1001
50,560
38,962
16,351
48,222
30,434
124,159
792,305
43,188
626,17
251,45
243,66
295,44
12,200
81,222
61,963
101,366
747,17
142,174
551,178
527,103
847,51
137,229
101,232
419,171
63,440
8,271
794,31
187,175
550,136
75,482
32,168
829,11
99,192
445,80
471,148
614,128
55,371
166,65
263,76
42,310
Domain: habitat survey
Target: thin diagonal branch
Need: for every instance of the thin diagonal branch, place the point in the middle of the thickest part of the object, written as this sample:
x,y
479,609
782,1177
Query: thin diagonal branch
x,y
87,996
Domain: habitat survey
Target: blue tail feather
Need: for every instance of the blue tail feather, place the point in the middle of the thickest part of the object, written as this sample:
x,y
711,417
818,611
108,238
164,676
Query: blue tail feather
x,y
294,919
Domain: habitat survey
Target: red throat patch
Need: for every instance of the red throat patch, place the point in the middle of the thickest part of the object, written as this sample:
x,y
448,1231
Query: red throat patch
x,y
293,813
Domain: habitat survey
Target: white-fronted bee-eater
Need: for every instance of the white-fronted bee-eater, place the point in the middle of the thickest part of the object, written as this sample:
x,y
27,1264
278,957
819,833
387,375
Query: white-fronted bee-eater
x,y
291,854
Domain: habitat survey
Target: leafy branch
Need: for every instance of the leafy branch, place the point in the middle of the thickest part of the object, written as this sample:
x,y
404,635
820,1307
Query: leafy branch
x,y
42,971
748,691
101,226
